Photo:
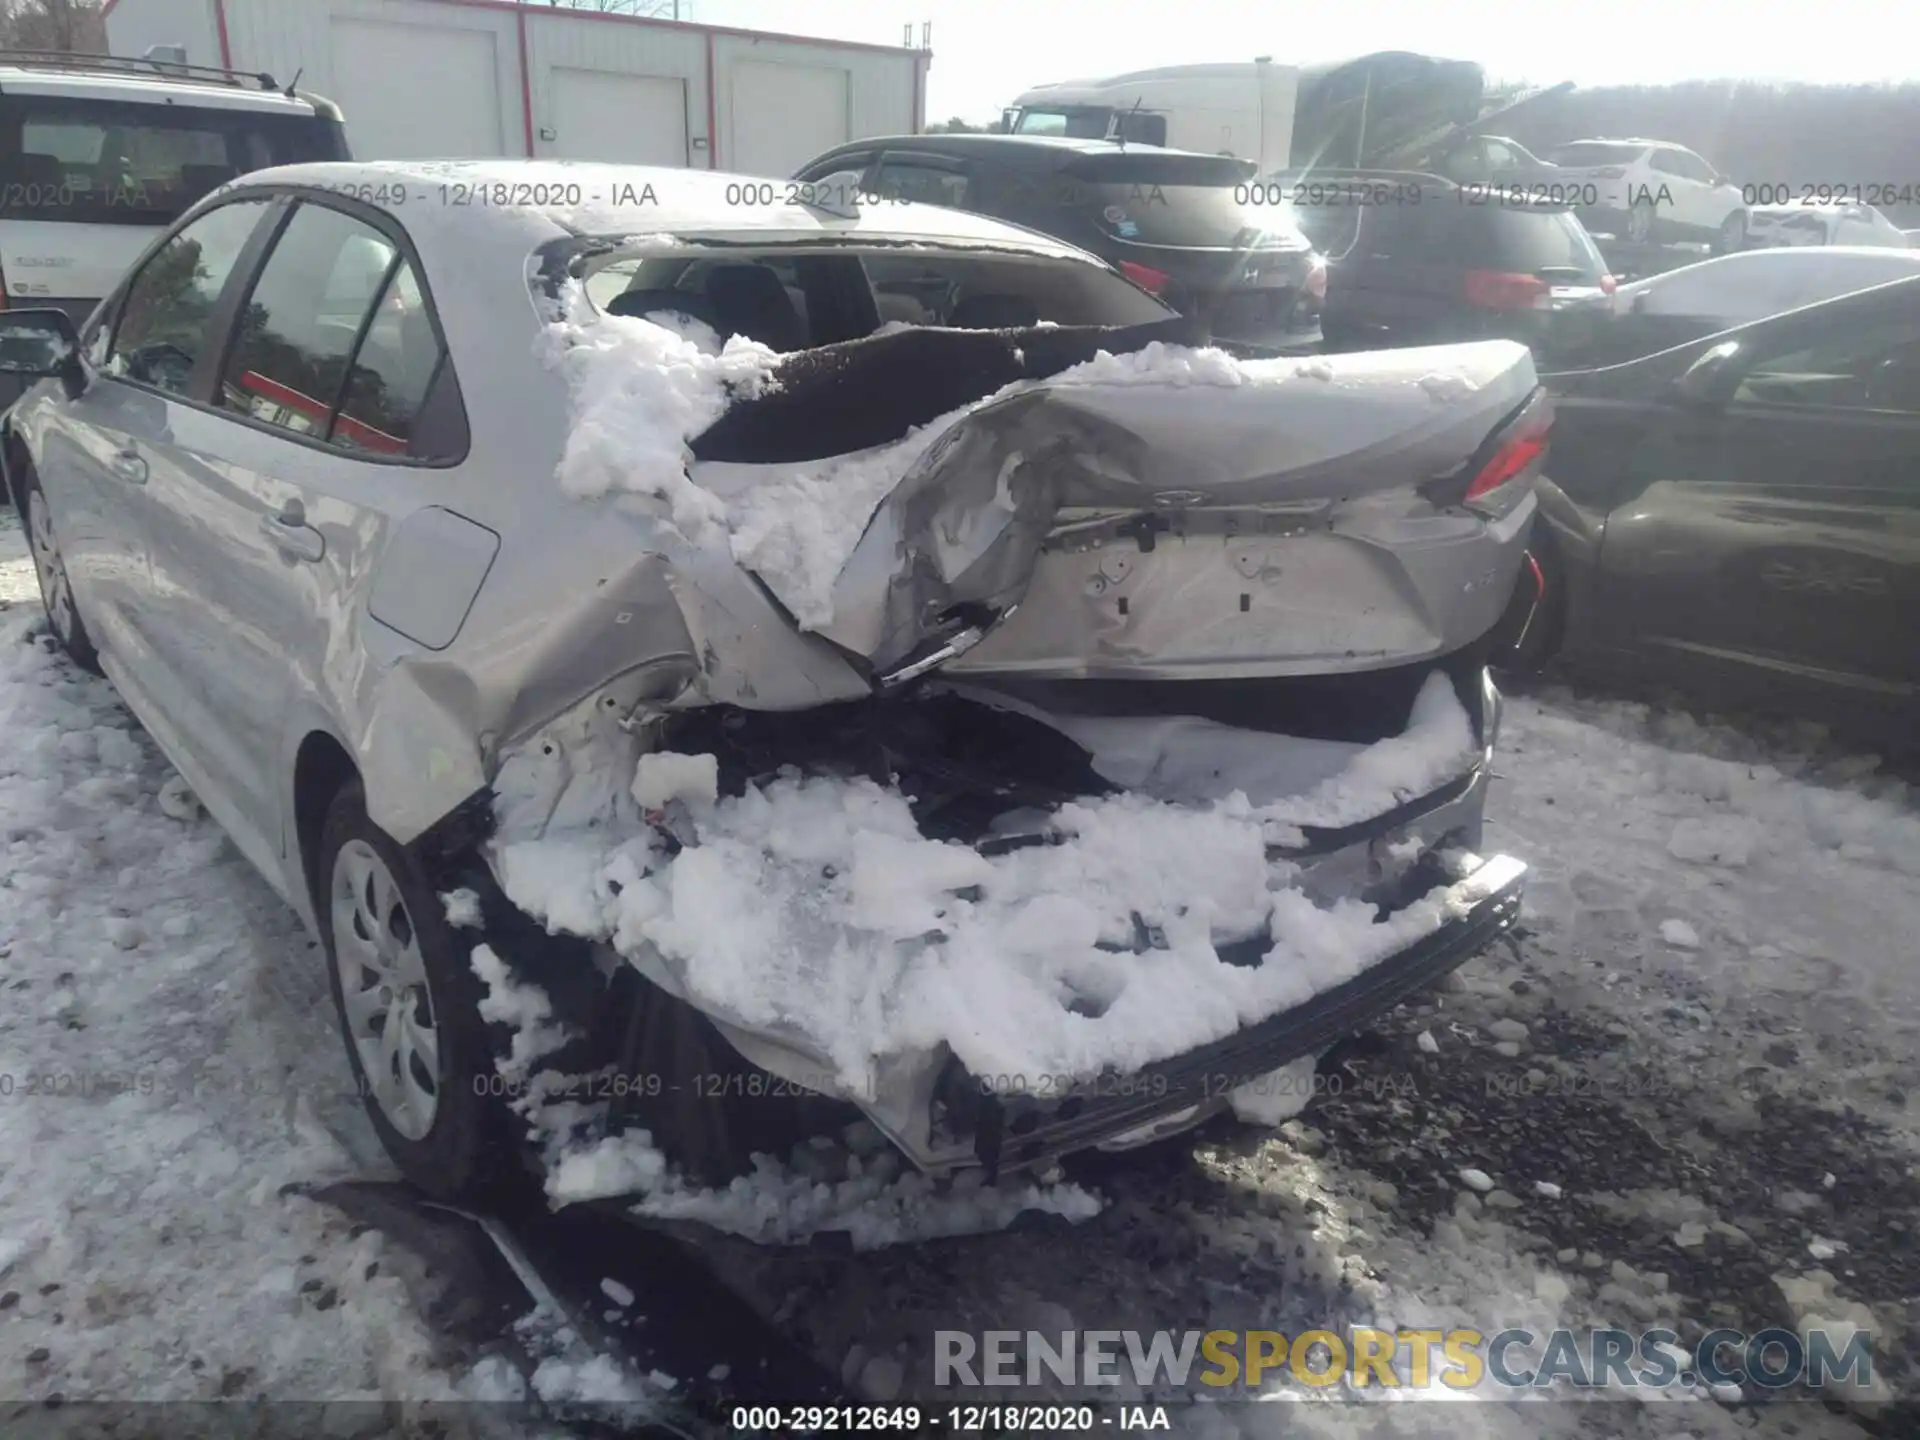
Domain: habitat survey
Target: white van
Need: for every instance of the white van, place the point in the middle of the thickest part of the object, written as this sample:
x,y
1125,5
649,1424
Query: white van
x,y
99,154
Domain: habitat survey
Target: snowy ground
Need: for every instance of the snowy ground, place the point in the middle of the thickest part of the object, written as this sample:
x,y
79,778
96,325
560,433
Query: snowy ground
x,y
1720,1015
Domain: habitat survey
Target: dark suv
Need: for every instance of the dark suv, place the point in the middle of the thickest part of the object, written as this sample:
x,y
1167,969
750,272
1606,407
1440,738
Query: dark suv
x,y
1416,259
1186,227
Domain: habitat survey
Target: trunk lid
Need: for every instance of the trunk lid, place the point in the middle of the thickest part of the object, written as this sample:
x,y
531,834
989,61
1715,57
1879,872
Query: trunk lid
x,y
1172,512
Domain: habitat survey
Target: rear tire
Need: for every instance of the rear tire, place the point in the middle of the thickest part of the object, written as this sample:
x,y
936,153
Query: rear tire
x,y
1732,236
50,569
1640,222
408,1005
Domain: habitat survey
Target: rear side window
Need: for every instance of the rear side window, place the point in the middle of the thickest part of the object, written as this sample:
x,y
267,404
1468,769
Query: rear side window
x,y
1078,123
391,376
168,311
334,342
1549,243
972,293
113,162
896,287
928,182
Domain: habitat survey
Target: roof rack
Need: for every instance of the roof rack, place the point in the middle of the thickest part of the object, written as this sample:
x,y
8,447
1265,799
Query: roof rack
x,y
144,67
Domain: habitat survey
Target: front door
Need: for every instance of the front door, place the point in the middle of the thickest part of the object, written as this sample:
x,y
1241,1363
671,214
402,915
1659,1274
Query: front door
x,y
1779,533
98,448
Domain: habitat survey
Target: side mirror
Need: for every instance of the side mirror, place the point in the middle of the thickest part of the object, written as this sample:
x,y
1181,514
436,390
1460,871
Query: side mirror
x,y
40,343
1700,384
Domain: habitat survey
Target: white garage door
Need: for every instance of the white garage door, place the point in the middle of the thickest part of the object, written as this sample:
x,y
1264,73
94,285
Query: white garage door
x,y
783,116
629,119
417,92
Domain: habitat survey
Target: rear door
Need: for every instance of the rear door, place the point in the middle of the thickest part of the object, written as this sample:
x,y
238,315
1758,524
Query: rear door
x,y
1779,533
1688,182
276,496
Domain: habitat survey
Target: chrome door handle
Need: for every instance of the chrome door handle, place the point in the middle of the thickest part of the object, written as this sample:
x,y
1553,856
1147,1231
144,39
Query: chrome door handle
x,y
293,537
128,465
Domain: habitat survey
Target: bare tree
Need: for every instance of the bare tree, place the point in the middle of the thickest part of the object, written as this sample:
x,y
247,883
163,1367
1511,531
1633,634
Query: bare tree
x,y
1784,140
650,9
67,25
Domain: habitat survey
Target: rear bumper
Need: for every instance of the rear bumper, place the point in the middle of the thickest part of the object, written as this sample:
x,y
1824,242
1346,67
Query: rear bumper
x,y
1020,1131
947,1120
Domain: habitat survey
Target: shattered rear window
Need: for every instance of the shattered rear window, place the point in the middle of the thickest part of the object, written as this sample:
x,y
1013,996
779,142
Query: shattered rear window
x,y
809,297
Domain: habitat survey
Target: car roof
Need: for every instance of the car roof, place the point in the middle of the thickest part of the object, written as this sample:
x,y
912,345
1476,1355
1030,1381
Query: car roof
x,y
155,89
524,203
1616,140
1891,256
1003,147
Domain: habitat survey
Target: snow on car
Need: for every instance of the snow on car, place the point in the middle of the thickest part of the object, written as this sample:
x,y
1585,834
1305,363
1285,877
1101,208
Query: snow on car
x,y
1012,740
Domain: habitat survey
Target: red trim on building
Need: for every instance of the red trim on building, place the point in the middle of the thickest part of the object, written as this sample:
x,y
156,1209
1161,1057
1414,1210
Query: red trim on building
x,y
682,25
526,77
220,28
713,112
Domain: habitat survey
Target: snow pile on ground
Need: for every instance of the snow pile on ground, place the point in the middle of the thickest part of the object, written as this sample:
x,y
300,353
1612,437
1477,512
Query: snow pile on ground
x,y
813,907
868,1199
171,1064
1763,883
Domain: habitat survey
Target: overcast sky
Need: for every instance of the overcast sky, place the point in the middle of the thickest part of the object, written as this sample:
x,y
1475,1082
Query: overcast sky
x,y
987,51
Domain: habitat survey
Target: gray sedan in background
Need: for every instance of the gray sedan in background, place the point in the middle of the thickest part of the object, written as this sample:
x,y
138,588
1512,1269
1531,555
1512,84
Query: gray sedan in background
x,y
1741,514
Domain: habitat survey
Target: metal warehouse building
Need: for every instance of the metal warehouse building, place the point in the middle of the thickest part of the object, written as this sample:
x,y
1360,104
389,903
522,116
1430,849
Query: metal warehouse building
x,y
463,78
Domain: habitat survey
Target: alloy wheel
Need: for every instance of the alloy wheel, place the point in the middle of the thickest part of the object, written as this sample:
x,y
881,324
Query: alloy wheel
x,y
385,995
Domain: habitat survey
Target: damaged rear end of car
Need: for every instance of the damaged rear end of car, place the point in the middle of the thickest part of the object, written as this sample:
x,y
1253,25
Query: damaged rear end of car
x,y
1127,742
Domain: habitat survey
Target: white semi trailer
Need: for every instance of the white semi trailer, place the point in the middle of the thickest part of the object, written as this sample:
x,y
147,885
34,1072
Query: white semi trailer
x,y
455,79
1367,112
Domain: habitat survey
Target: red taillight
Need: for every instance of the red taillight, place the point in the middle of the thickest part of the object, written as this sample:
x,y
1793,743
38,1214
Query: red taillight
x,y
1504,290
1608,284
1316,283
1145,276
1520,450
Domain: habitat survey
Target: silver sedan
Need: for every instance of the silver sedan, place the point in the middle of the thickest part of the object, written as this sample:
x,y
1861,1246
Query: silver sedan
x,y
416,508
